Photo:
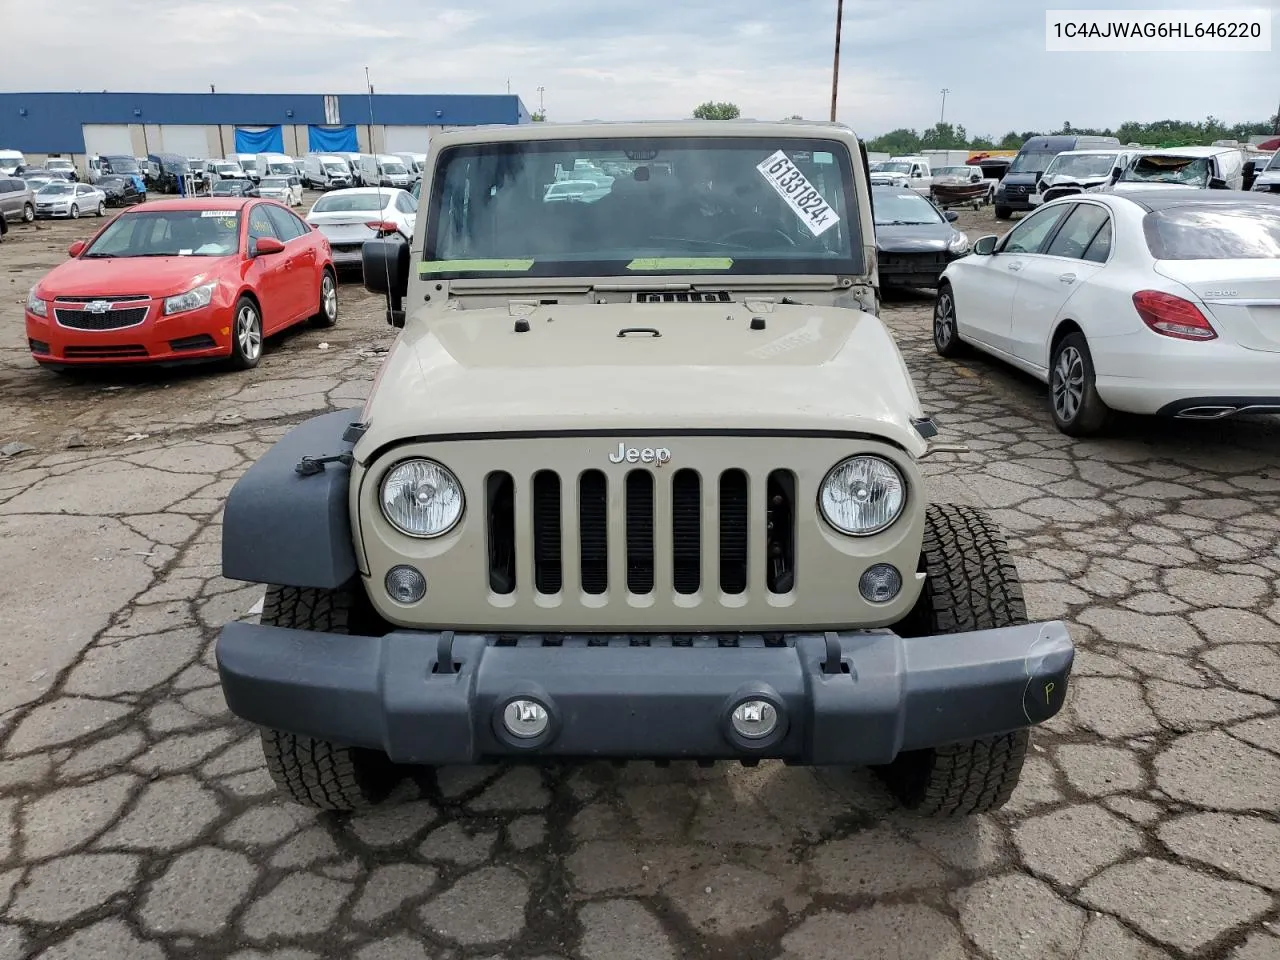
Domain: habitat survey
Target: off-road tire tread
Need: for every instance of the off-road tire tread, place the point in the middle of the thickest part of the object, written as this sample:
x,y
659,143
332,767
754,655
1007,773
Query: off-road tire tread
x,y
313,772
972,585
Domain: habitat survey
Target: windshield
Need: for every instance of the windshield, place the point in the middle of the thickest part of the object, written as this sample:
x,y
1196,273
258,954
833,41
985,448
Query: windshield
x,y
1031,162
58,164
249,165
57,186
719,204
123,165
169,233
351,203
1275,162
954,171
1082,165
195,165
278,182
333,167
895,166
1214,232
229,188
396,167
280,167
227,168
1160,168
900,209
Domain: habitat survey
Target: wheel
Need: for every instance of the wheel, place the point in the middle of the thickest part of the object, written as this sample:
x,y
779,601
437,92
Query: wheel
x,y
102,208
946,339
971,584
1077,409
75,212
327,315
317,773
1003,213
28,213
246,335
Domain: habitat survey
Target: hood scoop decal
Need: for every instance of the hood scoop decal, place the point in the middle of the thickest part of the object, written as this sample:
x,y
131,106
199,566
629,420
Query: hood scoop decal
x,y
683,296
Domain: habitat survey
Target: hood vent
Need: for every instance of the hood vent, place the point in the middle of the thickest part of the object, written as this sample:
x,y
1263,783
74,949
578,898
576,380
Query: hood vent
x,y
684,296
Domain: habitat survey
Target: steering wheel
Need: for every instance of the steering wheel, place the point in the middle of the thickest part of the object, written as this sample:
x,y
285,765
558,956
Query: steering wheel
x,y
769,232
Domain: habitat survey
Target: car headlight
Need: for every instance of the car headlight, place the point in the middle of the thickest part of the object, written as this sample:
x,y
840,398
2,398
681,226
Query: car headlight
x,y
36,305
959,243
191,300
862,495
421,498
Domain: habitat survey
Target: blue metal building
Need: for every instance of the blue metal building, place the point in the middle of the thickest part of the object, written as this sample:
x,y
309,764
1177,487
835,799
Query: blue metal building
x,y
209,124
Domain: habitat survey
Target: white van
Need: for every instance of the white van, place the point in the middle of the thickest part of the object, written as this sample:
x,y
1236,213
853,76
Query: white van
x,y
353,162
275,165
326,171
1206,168
11,160
414,161
248,163
385,170
1079,171
215,170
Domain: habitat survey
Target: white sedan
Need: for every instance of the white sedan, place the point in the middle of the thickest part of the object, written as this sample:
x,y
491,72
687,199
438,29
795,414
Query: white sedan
x,y
350,217
1164,303
62,198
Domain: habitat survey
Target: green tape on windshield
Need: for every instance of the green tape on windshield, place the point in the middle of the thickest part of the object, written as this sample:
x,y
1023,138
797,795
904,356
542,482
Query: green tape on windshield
x,y
681,263
465,266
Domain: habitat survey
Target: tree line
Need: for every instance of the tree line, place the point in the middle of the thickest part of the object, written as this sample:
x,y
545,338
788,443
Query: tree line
x,y
946,136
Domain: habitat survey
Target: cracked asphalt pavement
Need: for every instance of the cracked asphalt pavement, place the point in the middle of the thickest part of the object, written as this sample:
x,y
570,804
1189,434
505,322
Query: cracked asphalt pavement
x,y
137,820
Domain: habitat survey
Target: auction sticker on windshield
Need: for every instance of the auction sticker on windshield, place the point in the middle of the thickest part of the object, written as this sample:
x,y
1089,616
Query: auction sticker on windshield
x,y
801,195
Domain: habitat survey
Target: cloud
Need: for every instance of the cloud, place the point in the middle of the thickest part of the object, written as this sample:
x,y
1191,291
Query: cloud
x,y
653,60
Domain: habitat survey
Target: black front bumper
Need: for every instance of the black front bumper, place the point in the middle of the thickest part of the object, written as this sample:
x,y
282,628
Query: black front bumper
x,y
1014,201
851,698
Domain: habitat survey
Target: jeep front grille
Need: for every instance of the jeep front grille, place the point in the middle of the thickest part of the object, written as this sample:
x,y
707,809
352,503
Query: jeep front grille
x,y
618,533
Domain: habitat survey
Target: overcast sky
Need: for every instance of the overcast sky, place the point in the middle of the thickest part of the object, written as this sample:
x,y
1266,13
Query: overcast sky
x,y
652,59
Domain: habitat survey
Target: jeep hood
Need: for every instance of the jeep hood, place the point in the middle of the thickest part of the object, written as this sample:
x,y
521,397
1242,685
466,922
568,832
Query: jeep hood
x,y
600,367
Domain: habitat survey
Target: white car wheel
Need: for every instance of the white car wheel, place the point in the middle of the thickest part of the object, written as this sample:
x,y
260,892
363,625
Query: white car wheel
x,y
75,212
102,208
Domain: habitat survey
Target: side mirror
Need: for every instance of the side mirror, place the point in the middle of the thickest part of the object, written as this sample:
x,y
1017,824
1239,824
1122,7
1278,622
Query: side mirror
x,y
267,245
951,216
1217,183
386,271
76,248
986,246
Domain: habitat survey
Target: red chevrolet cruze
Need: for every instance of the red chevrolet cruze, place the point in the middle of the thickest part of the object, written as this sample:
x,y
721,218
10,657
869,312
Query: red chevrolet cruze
x,y
173,281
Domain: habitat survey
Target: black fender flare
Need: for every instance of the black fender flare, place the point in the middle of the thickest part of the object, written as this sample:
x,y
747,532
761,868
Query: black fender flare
x,y
283,527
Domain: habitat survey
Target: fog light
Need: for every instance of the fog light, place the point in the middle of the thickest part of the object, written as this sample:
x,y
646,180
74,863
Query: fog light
x,y
406,585
525,719
754,719
880,584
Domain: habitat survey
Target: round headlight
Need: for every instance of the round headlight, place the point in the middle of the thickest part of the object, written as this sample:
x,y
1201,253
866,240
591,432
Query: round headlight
x,y
421,498
862,495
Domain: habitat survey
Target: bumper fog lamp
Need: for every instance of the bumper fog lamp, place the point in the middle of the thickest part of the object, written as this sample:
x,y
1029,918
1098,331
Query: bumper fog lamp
x,y
754,719
405,584
525,719
880,583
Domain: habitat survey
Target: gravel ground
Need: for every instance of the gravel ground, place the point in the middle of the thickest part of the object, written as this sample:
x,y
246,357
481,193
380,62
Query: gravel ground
x,y
137,820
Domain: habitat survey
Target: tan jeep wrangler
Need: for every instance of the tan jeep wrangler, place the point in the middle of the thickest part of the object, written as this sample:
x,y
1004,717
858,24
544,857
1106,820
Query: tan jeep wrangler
x,y
638,480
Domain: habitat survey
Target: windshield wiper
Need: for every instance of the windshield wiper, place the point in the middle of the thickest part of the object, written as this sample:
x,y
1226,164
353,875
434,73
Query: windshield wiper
x,y
904,223
99,256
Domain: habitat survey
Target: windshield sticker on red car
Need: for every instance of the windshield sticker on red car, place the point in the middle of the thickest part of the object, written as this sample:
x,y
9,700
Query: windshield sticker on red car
x,y
798,193
217,214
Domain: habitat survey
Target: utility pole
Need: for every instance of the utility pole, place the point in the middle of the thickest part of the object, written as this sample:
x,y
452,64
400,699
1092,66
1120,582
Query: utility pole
x,y
835,66
1275,127
943,115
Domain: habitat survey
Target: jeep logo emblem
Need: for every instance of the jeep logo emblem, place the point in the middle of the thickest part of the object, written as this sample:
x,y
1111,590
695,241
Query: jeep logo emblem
x,y
659,456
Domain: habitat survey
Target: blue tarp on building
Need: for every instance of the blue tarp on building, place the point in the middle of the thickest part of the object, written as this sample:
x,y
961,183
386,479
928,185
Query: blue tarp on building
x,y
332,139
262,140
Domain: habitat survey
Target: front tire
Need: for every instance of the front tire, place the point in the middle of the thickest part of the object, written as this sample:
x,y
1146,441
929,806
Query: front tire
x,y
317,773
28,213
1003,213
246,335
327,315
75,212
971,584
946,336
1077,409
102,208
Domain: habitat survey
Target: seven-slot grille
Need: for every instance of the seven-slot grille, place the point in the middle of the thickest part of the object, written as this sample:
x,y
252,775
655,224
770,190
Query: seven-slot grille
x,y
128,311
634,531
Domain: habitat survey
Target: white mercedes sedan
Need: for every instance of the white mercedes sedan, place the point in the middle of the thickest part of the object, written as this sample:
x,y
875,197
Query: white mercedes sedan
x,y
1164,303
